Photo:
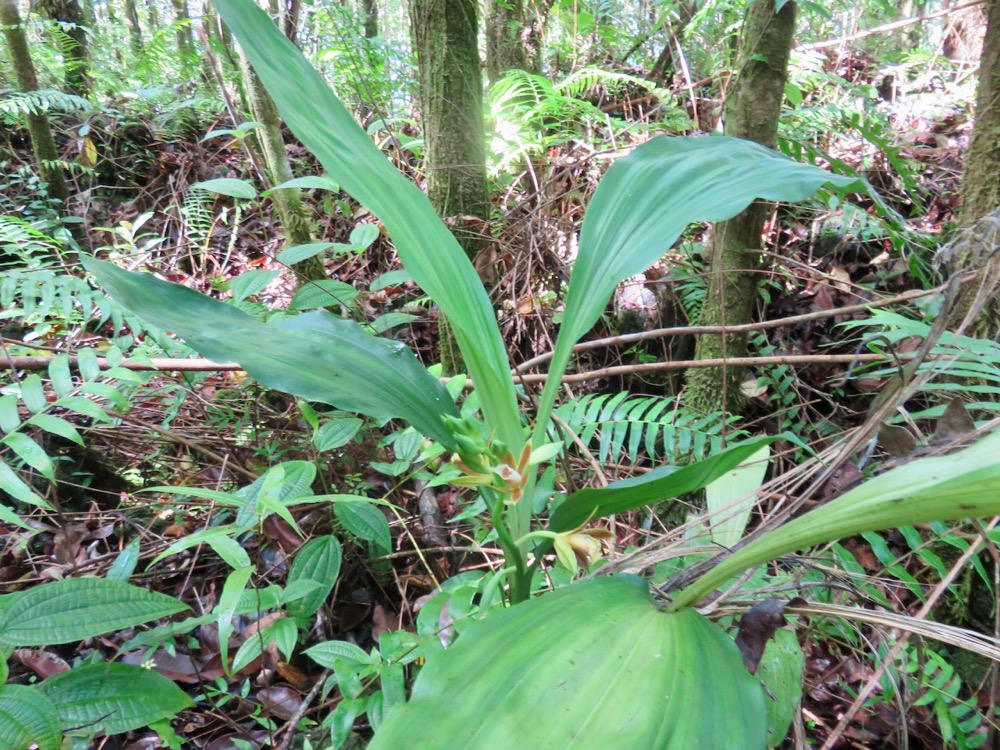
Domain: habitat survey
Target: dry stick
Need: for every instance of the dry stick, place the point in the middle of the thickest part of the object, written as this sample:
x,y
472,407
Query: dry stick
x,y
888,27
873,681
295,718
632,338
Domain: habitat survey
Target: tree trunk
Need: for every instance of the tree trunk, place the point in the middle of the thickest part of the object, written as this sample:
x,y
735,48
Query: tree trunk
x,y
288,202
450,83
505,31
70,18
185,37
369,9
42,142
980,190
134,29
751,112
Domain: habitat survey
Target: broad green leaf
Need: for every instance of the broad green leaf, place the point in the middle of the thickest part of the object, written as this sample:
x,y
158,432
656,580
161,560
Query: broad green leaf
x,y
390,278
57,426
317,560
86,407
113,698
427,249
232,591
730,498
390,320
78,608
249,283
9,417
31,453
316,356
33,394
780,670
9,516
660,484
124,565
965,484
327,653
336,433
60,375
228,186
366,522
322,293
647,199
297,253
590,666
26,717
363,235
18,489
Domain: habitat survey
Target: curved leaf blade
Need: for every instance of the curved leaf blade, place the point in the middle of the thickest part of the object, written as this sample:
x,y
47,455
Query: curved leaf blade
x,y
427,249
660,484
593,665
315,355
27,717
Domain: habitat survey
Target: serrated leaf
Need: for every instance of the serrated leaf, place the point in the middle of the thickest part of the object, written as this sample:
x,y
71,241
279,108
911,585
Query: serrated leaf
x,y
228,186
298,253
77,608
113,697
364,521
322,293
317,560
336,433
31,453
592,665
27,717
315,355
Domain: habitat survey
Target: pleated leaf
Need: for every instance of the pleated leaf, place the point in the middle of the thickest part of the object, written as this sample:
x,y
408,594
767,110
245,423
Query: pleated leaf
x,y
427,249
77,608
648,198
660,484
113,697
27,717
316,356
588,667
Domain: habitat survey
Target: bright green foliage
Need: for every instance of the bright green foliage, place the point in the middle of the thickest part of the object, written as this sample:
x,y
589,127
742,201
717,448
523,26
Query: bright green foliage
x,y
318,561
78,608
27,717
780,671
594,665
112,698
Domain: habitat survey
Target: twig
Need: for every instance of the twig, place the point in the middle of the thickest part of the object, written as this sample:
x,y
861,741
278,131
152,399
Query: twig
x,y
294,719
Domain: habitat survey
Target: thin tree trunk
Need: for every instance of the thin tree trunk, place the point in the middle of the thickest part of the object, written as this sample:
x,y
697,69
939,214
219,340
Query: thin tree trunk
x,y
70,17
370,10
751,112
185,36
505,31
42,142
134,29
288,202
445,38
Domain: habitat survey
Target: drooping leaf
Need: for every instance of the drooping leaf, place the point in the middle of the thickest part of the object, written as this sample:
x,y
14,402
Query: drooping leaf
x,y
781,672
317,560
590,666
297,253
113,697
965,484
228,186
427,249
78,608
660,484
26,717
647,199
730,498
315,355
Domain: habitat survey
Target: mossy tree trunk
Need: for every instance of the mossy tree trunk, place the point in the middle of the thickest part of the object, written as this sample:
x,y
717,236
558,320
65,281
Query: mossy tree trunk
x,y
751,112
185,35
288,202
70,18
450,85
369,9
506,30
42,143
980,189
134,28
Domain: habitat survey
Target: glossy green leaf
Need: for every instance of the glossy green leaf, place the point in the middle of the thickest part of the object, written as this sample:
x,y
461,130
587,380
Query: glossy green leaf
x,y
77,608
366,522
26,717
336,433
250,283
965,484
427,249
317,560
57,426
591,666
112,697
648,198
18,489
326,654
228,186
660,484
31,453
316,356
